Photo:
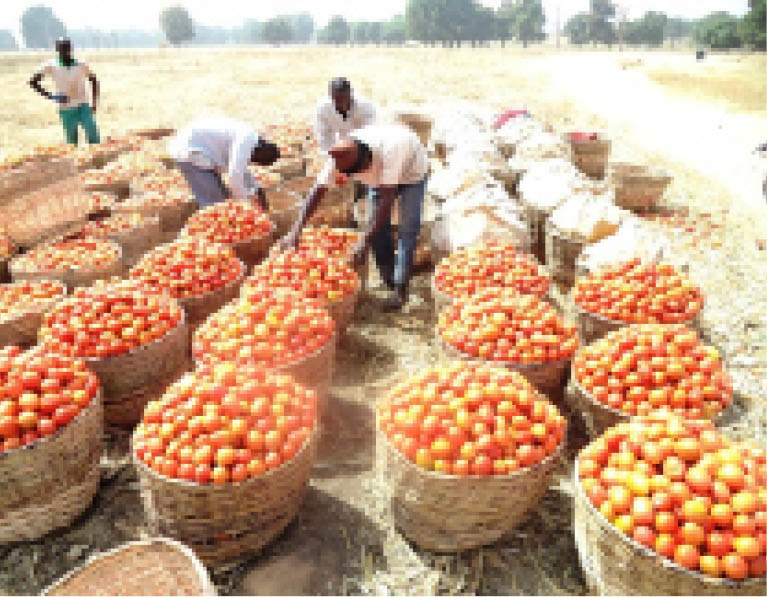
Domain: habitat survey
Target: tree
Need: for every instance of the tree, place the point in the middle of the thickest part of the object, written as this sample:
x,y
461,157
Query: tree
x,y
504,20
7,40
719,30
337,31
251,31
419,17
303,27
277,30
528,21
577,28
40,27
375,32
601,27
394,31
648,30
177,25
753,27
358,32
678,28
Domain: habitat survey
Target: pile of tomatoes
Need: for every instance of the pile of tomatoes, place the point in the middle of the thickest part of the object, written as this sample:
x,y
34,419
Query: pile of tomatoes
x,y
502,325
644,367
469,419
40,393
102,322
229,222
29,296
120,223
188,267
161,181
635,292
69,254
335,242
492,265
677,486
268,328
308,273
225,424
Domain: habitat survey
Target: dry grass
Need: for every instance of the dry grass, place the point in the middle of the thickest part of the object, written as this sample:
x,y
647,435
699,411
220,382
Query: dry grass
x,y
736,81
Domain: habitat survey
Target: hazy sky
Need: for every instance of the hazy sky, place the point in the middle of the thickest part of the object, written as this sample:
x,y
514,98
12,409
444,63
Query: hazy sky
x,y
143,14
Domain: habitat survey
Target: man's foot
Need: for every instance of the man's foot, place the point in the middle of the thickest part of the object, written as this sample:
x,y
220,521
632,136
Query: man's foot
x,y
397,299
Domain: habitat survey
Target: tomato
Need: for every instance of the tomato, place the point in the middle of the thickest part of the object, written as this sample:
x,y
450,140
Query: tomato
x,y
734,566
228,222
69,254
687,556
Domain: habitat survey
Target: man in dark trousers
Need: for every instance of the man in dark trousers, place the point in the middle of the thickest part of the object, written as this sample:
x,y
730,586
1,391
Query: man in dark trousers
x,y
71,95
391,160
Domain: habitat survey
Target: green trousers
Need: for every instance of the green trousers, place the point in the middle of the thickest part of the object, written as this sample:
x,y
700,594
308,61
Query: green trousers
x,y
79,115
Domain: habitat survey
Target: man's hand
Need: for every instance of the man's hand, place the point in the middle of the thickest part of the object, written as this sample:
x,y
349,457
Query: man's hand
x,y
59,98
359,252
261,199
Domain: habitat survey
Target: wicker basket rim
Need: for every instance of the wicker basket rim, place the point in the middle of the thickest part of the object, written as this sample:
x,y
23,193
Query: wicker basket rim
x,y
197,566
332,339
512,364
343,298
665,562
308,444
272,227
581,311
484,478
40,441
238,280
546,276
46,304
66,270
609,409
123,206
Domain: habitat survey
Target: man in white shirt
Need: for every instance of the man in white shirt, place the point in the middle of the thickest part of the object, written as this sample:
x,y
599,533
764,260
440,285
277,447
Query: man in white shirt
x,y
209,147
392,160
69,75
341,113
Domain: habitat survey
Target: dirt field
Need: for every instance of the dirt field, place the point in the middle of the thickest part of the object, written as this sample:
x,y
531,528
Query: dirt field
x,y
343,541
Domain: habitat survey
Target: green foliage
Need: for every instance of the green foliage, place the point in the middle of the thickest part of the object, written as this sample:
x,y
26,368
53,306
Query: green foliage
x,y
40,27
719,30
601,28
302,25
277,30
528,21
649,30
577,29
7,40
753,27
394,31
251,31
176,24
335,32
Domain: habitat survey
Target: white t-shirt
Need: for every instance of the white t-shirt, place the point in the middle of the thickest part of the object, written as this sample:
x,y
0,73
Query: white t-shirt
x,y
69,80
222,144
332,127
399,157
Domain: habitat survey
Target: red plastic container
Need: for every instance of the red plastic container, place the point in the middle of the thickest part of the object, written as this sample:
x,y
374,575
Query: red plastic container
x,y
508,115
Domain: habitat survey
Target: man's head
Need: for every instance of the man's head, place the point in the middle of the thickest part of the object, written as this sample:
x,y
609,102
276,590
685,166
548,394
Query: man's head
x,y
341,94
64,48
265,153
351,156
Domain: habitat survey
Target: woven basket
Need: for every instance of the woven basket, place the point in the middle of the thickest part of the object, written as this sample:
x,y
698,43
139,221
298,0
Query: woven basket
x,y
252,251
123,375
157,566
48,484
249,515
592,327
507,177
562,251
198,308
448,513
22,330
121,188
590,157
614,564
548,377
342,311
637,187
134,243
300,185
73,278
284,208
291,168
536,224
172,217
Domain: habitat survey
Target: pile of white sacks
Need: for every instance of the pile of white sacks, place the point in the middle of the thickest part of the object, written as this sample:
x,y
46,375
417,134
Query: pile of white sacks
x,y
471,206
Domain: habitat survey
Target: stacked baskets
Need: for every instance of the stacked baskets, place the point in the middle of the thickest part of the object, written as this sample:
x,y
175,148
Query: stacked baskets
x,y
589,153
22,306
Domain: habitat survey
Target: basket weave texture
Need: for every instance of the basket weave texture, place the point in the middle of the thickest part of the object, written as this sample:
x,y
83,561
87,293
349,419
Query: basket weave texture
x,y
613,564
158,566
48,484
249,515
638,188
252,251
139,240
592,327
548,378
73,278
198,308
121,188
284,207
562,251
447,513
172,217
342,311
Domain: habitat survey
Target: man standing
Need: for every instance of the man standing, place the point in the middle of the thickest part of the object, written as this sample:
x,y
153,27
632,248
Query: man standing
x,y
69,75
391,160
208,147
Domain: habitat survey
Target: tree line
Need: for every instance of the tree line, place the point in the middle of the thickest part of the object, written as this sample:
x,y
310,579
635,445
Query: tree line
x,y
445,22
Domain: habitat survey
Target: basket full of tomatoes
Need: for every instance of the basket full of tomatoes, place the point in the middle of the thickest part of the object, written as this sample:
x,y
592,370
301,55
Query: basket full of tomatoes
x,y
634,292
172,205
73,262
523,333
666,505
200,275
134,232
131,338
276,330
643,367
22,305
224,458
336,242
242,226
466,450
312,273
51,430
468,271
